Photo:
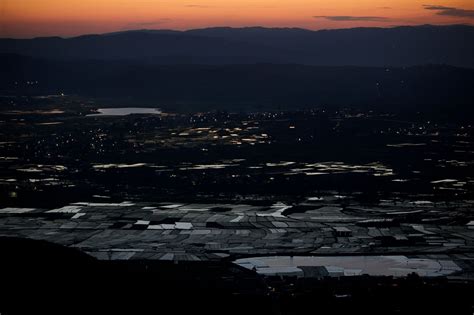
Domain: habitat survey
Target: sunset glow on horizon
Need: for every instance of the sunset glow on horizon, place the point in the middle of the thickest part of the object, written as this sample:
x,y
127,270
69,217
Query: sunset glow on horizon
x,y
32,18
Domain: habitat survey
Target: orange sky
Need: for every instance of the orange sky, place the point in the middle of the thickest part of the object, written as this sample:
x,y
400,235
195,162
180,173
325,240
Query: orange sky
x,y
30,18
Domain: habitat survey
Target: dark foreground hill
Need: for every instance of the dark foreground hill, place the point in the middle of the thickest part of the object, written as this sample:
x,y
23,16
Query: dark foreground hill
x,y
43,278
380,47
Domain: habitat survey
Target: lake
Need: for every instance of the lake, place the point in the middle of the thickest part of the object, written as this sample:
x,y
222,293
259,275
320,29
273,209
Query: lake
x,y
125,111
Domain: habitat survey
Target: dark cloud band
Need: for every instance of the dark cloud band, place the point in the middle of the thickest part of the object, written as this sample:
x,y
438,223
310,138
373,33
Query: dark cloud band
x,y
450,11
342,18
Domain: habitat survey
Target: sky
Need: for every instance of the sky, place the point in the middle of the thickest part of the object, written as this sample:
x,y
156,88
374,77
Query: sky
x,y
35,18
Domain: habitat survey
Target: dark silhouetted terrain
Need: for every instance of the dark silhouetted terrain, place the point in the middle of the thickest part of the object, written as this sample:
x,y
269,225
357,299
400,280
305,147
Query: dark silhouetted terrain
x,y
258,86
63,281
399,46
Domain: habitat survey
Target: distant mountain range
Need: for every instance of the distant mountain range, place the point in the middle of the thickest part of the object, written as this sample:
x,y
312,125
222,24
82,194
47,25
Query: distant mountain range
x,y
372,47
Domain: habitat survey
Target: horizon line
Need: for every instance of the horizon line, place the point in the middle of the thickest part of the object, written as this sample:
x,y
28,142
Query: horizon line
x,y
237,28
